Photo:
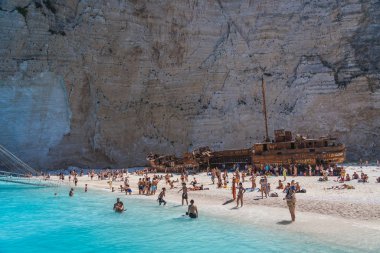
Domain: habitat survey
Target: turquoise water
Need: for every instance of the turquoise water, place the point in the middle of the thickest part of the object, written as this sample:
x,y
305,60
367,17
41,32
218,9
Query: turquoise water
x,y
34,220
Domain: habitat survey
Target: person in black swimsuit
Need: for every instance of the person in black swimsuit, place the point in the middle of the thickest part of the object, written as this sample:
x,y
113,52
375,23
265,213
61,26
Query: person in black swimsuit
x,y
192,211
184,193
161,197
71,193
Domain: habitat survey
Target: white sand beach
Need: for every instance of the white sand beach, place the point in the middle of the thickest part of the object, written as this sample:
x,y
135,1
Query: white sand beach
x,y
345,217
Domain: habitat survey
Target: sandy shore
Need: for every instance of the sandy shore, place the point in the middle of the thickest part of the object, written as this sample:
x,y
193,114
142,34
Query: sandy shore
x,y
346,217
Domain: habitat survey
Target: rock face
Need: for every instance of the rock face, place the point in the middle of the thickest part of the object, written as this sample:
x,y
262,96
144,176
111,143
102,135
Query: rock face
x,y
105,82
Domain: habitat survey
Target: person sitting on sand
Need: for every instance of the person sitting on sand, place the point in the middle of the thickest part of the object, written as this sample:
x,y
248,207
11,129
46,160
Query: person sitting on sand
x,y
364,178
280,185
118,206
347,177
355,175
194,182
298,187
161,197
378,179
71,193
192,210
324,176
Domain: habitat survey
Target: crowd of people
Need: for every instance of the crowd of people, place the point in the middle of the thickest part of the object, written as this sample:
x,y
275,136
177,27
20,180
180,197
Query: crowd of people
x,y
149,181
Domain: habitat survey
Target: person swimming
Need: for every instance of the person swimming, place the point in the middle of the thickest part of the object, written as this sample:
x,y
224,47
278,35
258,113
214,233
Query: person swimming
x,y
71,193
118,206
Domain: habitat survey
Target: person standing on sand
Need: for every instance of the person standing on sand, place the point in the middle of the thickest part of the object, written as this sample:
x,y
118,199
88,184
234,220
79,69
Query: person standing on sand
x,y
161,197
291,200
234,188
184,193
284,171
240,195
264,187
253,181
192,211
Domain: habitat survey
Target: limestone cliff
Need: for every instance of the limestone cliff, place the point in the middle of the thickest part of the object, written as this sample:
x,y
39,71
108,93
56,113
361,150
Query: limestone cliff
x,y
105,82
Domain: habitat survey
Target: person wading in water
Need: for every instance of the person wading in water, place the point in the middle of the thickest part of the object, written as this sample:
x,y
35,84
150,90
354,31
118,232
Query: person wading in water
x,y
184,193
192,211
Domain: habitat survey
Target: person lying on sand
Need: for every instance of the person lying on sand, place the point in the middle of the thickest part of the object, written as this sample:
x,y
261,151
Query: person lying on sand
x,y
198,188
341,187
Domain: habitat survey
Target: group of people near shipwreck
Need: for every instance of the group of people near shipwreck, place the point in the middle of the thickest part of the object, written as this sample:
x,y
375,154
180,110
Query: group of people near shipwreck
x,y
257,176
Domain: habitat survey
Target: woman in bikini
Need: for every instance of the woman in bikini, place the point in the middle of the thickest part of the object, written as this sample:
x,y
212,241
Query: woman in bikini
x,y
240,195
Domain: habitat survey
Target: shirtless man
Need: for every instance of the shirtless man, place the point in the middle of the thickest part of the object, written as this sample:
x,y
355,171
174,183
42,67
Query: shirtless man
x,y
118,206
154,186
161,196
184,193
192,211
240,195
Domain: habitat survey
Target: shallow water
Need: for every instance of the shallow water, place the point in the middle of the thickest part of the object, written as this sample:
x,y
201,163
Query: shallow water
x,y
34,220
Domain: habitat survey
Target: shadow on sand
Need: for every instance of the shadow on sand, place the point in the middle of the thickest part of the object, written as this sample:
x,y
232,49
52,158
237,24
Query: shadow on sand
x,y
228,201
284,222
